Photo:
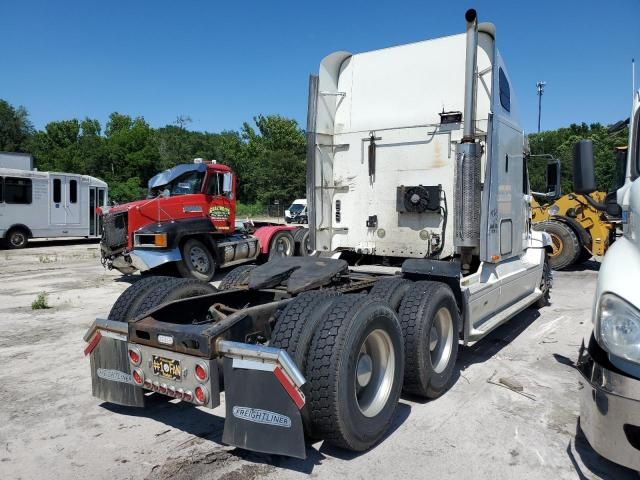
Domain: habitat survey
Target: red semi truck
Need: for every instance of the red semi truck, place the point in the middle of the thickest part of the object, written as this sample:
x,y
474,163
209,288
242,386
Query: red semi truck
x,y
189,221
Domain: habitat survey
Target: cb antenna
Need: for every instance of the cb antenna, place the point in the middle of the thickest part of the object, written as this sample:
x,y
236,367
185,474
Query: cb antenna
x,y
540,87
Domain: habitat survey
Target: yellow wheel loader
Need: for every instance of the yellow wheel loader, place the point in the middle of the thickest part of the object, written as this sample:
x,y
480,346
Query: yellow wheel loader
x,y
581,226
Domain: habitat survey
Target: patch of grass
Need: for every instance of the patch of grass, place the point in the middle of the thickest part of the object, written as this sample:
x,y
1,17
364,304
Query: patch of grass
x,y
40,303
249,210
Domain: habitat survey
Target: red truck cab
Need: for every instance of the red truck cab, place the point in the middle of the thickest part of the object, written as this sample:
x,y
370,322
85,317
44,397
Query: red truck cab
x,y
188,220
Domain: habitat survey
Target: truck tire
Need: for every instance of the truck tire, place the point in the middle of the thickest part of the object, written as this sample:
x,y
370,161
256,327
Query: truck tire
x,y
17,238
121,309
174,289
297,323
281,245
197,261
545,284
565,244
354,368
390,290
294,330
237,277
430,324
301,237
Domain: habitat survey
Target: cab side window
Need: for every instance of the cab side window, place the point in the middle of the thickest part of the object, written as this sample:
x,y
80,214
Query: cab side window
x,y
215,184
505,91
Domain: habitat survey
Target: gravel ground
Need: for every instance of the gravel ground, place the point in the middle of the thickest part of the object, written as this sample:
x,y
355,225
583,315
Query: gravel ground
x,y
51,426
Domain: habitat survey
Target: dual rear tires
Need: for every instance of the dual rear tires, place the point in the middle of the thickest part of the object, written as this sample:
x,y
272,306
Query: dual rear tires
x,y
359,352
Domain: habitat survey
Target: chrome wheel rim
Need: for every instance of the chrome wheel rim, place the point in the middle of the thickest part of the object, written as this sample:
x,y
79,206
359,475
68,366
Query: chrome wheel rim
x,y
374,372
441,340
199,260
17,239
283,247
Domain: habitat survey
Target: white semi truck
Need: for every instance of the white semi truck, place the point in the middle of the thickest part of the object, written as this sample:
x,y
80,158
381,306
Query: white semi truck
x,y
610,355
419,213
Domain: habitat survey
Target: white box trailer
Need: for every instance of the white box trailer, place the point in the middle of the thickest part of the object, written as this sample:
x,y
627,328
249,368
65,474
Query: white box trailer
x,y
22,161
47,204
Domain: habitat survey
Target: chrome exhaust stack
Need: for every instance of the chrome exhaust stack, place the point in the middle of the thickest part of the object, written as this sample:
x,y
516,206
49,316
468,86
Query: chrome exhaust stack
x,y
468,153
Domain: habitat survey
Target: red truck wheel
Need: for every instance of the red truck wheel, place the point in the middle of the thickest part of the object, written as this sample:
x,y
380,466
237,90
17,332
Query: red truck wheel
x,y
197,261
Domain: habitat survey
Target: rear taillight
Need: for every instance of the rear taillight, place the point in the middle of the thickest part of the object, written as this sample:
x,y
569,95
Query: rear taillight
x,y
179,393
134,356
188,396
202,372
201,395
163,388
171,391
138,376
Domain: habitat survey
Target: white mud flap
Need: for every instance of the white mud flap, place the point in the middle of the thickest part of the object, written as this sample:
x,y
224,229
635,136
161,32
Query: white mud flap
x,y
111,379
263,400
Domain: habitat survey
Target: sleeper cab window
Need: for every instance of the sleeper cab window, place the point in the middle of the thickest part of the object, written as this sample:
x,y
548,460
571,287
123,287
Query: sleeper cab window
x,y
505,91
17,190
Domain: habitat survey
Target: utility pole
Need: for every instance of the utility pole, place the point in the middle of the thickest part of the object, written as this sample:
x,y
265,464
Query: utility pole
x,y
540,87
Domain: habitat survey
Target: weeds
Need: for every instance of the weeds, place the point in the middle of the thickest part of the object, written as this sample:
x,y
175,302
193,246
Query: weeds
x,y
40,303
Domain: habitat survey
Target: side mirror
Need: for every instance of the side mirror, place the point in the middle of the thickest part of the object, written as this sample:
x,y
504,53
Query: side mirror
x,y
165,193
227,183
584,180
553,179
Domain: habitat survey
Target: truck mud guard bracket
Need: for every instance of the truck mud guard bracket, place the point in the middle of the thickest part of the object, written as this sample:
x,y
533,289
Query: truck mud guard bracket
x,y
263,400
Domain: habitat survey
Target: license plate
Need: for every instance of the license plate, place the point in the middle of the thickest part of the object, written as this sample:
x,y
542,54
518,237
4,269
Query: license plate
x,y
166,368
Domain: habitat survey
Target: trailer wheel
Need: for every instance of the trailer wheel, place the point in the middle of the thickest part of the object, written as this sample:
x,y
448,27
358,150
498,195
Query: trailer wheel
x,y
354,367
237,277
197,261
390,290
121,309
174,289
17,238
430,324
565,244
281,245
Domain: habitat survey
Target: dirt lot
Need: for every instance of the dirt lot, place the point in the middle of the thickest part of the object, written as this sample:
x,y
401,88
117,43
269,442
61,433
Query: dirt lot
x,y
51,426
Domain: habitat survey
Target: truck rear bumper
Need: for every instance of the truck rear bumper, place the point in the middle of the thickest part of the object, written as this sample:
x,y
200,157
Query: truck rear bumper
x,y
610,411
145,260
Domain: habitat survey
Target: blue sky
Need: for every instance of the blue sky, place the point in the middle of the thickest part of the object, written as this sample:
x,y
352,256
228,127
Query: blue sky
x,y
221,63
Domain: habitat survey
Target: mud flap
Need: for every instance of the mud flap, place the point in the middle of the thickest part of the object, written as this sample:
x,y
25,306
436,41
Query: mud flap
x,y
262,412
111,379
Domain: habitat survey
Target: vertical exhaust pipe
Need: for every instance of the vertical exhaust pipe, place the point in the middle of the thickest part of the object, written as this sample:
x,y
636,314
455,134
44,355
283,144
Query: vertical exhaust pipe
x,y
470,76
468,153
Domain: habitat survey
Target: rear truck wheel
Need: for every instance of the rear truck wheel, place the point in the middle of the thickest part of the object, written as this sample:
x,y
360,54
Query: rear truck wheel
x,y
302,239
430,325
564,243
294,330
174,289
17,238
390,290
237,277
545,284
281,245
354,370
121,309
197,261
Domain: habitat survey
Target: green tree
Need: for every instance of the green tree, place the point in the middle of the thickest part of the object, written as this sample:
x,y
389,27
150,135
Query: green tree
x,y
15,127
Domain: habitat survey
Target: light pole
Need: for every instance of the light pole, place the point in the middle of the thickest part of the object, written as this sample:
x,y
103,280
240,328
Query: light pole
x,y
540,87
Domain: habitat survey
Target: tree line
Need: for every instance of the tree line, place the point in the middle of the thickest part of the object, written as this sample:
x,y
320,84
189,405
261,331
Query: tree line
x,y
269,159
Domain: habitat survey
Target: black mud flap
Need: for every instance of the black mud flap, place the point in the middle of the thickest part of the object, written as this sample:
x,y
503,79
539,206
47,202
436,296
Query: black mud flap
x,y
111,379
260,415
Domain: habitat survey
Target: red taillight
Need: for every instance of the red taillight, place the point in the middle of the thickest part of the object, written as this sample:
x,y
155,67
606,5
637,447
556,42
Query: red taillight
x,y
171,391
201,372
134,356
148,384
179,393
201,395
188,396
163,388
138,377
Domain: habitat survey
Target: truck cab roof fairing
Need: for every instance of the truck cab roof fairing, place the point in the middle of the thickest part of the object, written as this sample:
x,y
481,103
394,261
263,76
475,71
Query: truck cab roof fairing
x,y
167,176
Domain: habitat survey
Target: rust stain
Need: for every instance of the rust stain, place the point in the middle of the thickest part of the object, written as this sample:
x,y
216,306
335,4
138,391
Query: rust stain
x,y
437,155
